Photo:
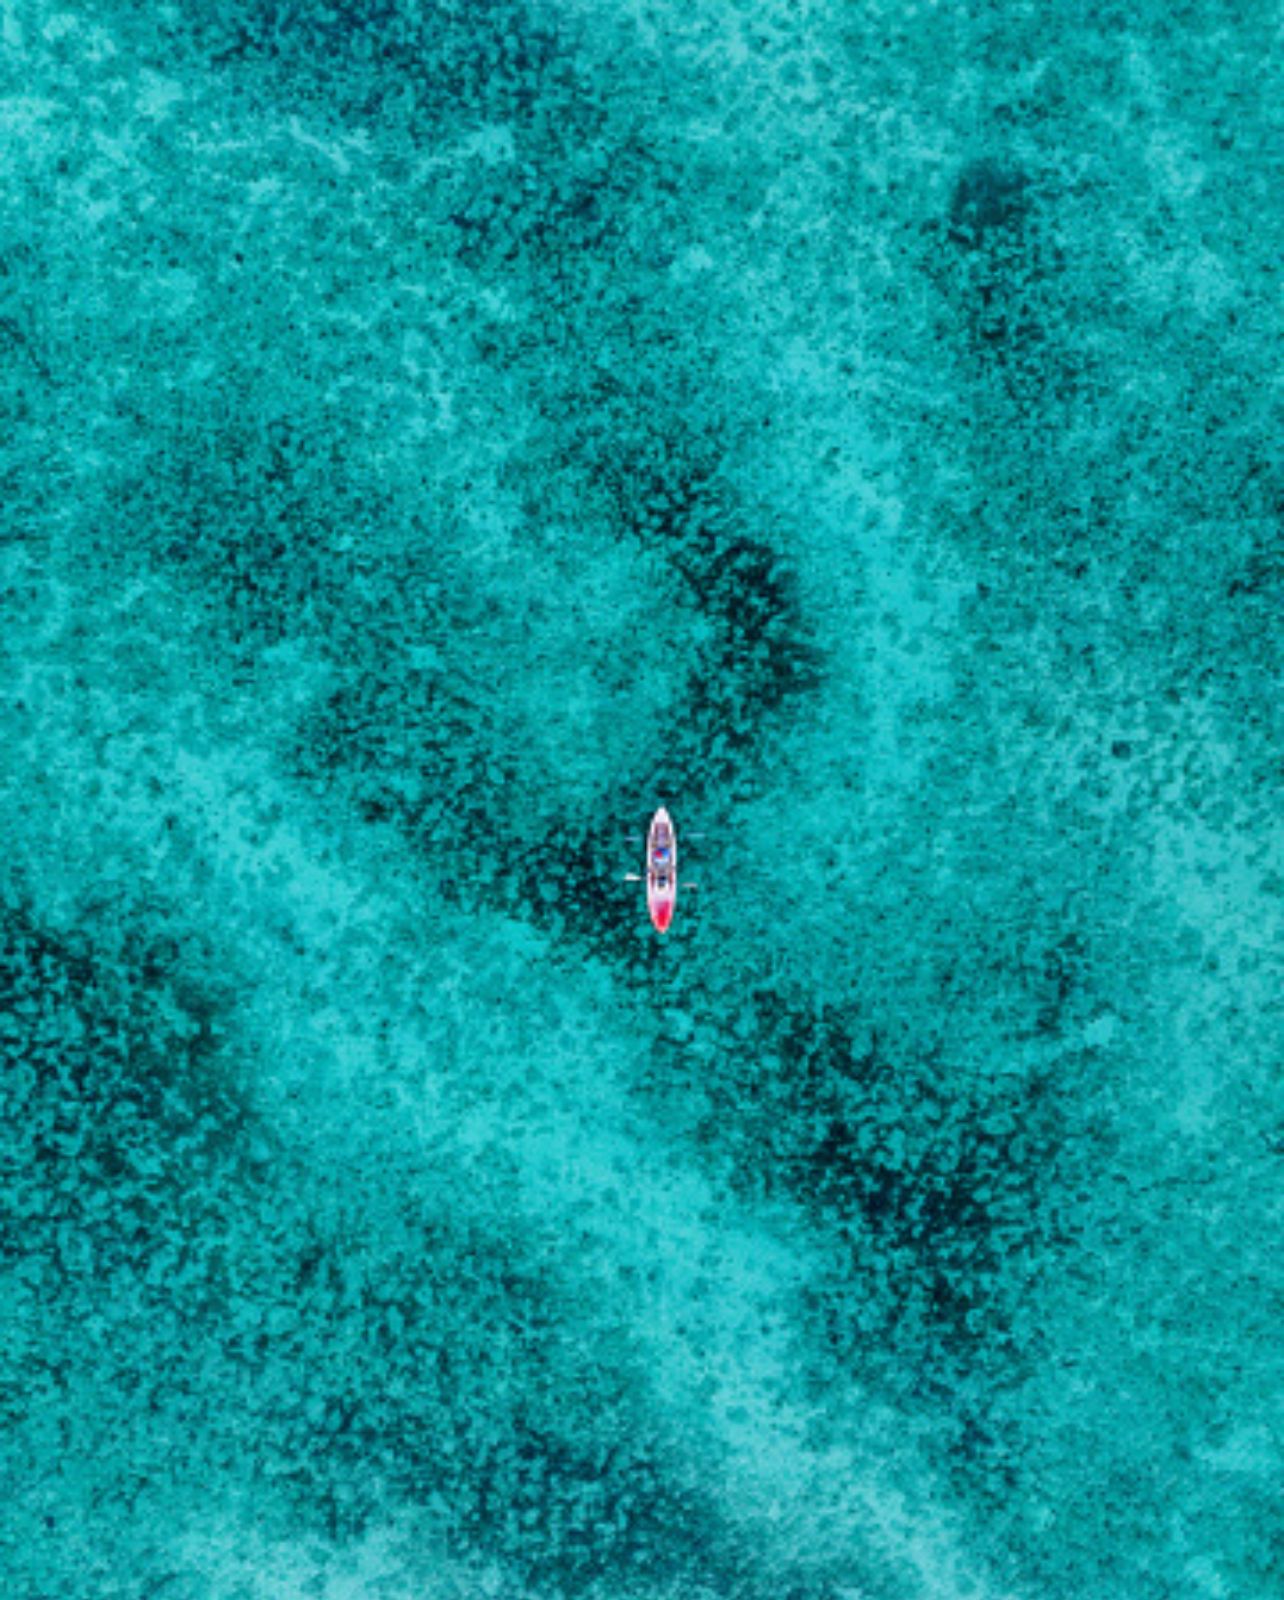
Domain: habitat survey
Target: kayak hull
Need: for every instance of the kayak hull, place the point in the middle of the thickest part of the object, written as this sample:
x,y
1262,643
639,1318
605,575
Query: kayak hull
x,y
661,870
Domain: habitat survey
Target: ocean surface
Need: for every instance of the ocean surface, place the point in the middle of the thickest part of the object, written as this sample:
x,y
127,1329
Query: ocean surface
x,y
435,436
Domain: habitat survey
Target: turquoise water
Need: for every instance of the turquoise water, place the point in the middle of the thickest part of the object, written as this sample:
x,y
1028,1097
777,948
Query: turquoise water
x,y
436,436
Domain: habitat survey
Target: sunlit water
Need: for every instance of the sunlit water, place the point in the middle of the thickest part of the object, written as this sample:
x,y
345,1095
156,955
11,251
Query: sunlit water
x,y
435,436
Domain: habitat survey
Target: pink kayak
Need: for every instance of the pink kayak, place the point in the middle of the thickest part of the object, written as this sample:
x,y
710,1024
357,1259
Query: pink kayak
x,y
661,870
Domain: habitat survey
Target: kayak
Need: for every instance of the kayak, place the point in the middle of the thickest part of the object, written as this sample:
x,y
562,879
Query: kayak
x,y
661,870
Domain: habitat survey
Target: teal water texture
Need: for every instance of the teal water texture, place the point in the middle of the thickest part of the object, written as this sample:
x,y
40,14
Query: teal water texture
x,y
435,436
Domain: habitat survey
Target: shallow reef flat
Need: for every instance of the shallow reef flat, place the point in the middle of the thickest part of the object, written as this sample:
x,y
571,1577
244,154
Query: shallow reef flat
x,y
436,435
